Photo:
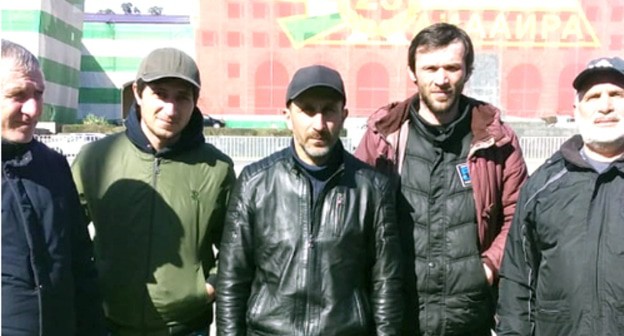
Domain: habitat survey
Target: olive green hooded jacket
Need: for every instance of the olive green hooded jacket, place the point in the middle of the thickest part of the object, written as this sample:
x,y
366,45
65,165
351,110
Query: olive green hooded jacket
x,y
157,217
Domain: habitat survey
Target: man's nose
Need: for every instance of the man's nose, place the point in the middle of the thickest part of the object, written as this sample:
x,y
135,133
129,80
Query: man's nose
x,y
440,77
318,121
605,104
30,107
168,107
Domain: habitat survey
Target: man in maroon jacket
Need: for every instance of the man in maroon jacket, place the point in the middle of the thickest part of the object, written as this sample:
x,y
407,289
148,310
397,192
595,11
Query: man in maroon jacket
x,y
460,171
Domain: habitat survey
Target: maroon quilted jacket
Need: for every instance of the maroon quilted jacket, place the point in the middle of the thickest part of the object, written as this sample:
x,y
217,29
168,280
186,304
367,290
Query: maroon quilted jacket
x,y
495,161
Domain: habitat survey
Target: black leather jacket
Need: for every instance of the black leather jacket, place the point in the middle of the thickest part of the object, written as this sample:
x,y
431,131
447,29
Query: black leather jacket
x,y
287,269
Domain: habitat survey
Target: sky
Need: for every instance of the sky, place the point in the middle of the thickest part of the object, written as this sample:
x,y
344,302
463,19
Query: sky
x,y
170,7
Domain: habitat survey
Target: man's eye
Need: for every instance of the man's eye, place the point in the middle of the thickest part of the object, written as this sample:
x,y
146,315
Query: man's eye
x,y
19,96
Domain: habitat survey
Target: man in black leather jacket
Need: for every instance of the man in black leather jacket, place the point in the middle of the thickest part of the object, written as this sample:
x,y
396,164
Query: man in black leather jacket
x,y
310,244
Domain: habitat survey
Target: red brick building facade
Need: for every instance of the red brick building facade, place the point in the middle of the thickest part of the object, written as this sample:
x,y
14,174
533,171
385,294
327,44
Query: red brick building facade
x,y
528,51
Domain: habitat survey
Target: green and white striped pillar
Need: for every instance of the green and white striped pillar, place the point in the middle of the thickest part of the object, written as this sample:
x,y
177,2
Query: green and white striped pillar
x,y
52,30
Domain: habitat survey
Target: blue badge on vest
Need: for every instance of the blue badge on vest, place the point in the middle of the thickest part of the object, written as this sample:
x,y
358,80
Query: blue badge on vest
x,y
464,174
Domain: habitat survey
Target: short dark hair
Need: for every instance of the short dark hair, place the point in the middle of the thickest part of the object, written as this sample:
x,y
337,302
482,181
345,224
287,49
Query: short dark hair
x,y
141,86
440,35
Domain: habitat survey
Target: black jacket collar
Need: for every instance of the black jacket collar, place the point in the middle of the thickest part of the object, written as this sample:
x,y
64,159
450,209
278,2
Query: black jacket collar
x,y
570,151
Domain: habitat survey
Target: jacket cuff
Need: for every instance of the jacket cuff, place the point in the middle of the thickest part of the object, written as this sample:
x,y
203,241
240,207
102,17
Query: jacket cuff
x,y
212,280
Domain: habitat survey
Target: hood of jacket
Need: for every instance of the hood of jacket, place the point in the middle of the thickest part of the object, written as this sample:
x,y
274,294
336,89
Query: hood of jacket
x,y
485,124
191,136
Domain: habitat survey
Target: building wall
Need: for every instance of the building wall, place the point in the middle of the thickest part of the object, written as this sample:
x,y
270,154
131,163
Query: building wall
x,y
528,51
247,50
52,30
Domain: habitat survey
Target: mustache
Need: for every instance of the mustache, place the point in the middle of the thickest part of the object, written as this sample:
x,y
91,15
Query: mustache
x,y
318,135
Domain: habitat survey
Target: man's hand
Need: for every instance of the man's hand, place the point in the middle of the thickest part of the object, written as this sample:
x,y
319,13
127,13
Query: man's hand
x,y
212,293
489,275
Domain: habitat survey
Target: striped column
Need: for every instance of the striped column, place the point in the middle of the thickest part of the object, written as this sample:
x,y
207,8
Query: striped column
x,y
52,30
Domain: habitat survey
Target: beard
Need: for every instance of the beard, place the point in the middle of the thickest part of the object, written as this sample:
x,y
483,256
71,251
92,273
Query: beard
x,y
319,152
601,136
314,151
437,106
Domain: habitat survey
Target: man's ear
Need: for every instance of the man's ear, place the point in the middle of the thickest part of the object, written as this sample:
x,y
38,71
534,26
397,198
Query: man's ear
x,y
578,96
468,74
411,75
286,112
345,113
137,96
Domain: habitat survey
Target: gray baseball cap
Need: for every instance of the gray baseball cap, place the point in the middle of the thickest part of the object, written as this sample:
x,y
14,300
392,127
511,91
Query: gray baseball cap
x,y
600,65
314,76
169,63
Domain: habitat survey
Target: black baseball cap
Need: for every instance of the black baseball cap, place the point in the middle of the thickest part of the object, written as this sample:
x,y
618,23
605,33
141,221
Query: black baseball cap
x,y
601,65
314,76
169,63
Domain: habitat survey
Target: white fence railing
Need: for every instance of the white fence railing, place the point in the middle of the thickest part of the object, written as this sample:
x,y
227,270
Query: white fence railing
x,y
250,148
540,148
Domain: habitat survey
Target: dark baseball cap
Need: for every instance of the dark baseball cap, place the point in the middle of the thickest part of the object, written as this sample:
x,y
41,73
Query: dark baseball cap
x,y
315,76
169,63
597,66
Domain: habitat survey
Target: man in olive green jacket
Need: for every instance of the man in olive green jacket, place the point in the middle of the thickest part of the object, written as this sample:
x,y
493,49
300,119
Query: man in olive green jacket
x,y
156,194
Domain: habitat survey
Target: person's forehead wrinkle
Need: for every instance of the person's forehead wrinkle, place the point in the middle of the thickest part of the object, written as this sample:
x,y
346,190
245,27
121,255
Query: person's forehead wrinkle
x,y
20,81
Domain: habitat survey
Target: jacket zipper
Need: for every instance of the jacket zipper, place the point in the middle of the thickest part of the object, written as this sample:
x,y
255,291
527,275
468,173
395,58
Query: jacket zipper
x,y
598,296
300,307
340,206
313,229
155,173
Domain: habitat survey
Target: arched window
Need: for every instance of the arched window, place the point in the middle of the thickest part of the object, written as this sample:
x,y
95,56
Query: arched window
x,y
271,81
371,90
524,85
566,91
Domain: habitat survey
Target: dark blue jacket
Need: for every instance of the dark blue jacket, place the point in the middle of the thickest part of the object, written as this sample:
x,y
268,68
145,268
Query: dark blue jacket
x,y
48,277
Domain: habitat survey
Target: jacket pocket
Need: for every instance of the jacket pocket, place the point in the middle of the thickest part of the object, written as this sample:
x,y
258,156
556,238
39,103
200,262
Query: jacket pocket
x,y
552,317
256,306
336,220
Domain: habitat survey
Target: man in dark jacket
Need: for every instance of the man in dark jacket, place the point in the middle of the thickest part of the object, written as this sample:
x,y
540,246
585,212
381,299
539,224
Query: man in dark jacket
x,y
310,240
48,277
460,170
563,271
157,195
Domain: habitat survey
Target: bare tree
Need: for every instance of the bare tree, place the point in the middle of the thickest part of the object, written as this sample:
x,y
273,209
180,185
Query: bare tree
x,y
136,10
106,11
155,10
